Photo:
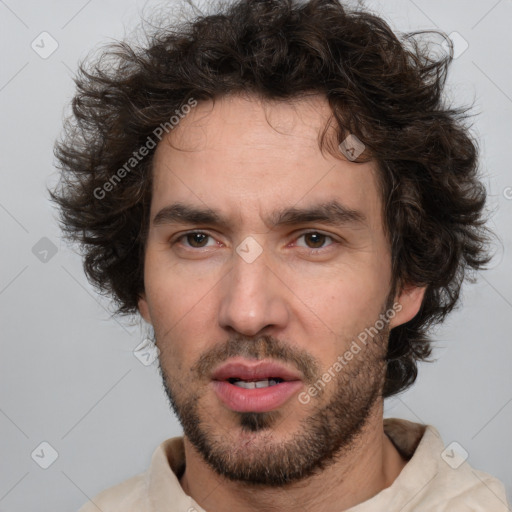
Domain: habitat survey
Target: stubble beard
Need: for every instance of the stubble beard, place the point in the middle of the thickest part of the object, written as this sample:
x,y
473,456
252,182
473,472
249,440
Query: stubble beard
x,y
329,432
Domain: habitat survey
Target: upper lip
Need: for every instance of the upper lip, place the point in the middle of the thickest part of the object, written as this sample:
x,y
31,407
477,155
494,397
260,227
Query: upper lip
x,y
253,370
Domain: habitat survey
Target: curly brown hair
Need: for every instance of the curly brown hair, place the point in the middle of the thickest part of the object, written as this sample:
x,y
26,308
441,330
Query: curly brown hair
x,y
385,89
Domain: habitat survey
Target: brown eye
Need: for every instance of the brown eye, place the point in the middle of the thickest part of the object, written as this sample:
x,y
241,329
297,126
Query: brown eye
x,y
197,239
315,240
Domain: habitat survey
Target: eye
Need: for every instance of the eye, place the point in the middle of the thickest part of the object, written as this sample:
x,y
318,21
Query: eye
x,y
199,240
196,240
314,240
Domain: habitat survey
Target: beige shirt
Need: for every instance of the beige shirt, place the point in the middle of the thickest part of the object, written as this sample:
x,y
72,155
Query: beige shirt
x,y
435,479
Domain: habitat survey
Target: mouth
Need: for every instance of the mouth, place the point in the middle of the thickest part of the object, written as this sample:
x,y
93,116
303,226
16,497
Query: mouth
x,y
254,386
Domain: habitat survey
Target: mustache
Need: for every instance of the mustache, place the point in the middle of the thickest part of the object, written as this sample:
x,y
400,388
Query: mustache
x,y
262,347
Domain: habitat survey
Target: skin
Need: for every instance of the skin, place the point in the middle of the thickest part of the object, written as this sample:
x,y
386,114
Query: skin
x,y
246,158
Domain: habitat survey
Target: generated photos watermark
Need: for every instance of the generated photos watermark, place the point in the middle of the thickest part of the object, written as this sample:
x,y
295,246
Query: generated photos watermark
x,y
355,347
137,156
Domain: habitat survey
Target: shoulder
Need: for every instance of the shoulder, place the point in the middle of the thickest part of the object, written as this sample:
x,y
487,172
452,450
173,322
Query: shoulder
x,y
438,478
128,496
158,484
464,488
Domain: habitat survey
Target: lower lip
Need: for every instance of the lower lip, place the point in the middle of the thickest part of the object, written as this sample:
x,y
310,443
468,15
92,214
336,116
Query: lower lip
x,y
255,400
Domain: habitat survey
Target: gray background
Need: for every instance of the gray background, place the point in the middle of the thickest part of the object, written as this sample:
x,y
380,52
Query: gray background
x,y
68,372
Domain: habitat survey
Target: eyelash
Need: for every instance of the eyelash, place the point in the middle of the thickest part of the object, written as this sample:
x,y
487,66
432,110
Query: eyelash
x,y
310,249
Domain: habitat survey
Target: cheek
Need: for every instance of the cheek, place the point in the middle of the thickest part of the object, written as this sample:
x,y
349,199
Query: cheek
x,y
180,309
172,291
346,301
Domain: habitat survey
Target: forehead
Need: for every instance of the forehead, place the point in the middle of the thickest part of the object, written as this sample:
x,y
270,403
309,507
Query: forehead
x,y
253,154
240,125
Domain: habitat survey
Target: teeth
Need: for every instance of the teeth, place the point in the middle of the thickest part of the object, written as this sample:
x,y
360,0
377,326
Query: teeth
x,y
255,385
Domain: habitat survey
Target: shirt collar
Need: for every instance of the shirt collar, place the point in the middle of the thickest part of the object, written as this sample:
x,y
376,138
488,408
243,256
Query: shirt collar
x,y
412,440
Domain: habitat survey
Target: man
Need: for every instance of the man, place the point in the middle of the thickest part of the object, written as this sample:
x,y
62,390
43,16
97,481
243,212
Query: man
x,y
280,192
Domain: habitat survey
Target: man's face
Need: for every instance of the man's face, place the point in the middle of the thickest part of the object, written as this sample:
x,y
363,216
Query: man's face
x,y
290,265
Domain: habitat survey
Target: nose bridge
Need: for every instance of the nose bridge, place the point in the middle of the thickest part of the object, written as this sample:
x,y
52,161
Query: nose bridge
x,y
252,299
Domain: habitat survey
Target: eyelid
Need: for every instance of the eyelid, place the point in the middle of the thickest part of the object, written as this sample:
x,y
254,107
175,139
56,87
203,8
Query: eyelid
x,y
334,238
178,238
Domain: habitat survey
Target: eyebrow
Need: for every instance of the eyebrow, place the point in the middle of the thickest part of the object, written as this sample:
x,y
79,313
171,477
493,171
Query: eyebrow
x,y
332,213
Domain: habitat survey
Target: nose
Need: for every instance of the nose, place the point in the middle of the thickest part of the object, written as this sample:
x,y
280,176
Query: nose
x,y
253,298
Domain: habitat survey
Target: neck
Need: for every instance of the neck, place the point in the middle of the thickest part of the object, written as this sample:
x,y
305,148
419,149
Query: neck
x,y
370,465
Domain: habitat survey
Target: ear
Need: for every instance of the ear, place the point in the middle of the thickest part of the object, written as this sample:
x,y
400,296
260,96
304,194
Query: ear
x,y
409,301
144,308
